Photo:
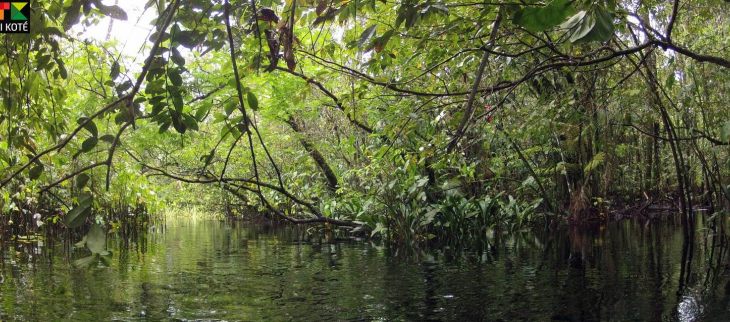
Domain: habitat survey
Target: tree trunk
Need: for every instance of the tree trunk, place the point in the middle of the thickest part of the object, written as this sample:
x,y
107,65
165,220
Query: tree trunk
x,y
332,183
656,167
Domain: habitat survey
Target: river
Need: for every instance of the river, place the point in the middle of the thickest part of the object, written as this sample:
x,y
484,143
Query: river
x,y
209,270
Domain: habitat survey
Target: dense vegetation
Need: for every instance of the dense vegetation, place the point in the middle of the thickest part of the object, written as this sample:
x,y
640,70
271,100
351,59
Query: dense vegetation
x,y
411,120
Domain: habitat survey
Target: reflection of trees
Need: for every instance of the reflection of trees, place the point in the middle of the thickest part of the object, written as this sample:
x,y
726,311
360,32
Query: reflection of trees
x,y
578,299
622,271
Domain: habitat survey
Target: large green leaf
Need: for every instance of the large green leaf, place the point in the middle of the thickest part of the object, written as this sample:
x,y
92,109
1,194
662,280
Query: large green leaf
x,y
185,38
96,239
203,111
77,216
109,138
602,29
62,69
584,27
177,101
35,172
115,70
537,19
366,36
82,180
177,122
84,262
115,12
164,127
594,163
175,77
380,42
90,126
578,25
89,144
190,122
229,107
177,58
252,101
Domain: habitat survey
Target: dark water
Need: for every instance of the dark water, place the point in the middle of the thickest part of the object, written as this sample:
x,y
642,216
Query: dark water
x,y
211,270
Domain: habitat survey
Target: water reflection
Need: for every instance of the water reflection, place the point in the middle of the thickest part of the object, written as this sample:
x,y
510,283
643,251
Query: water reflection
x,y
210,270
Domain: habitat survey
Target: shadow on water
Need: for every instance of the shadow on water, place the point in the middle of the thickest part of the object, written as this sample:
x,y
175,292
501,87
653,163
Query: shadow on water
x,y
210,270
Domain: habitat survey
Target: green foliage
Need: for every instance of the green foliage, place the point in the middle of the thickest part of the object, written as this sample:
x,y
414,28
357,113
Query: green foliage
x,y
584,27
78,215
725,132
355,126
536,19
594,163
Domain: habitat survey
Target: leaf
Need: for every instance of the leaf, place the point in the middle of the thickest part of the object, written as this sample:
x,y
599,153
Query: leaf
x,y
185,39
84,262
367,35
230,106
585,28
440,8
164,127
177,58
203,111
252,101
602,29
155,87
176,123
35,172
379,228
62,69
537,19
177,101
115,12
91,127
115,70
96,239
381,41
725,132
594,163
89,144
266,14
190,122
429,216
578,25
175,78
108,138
82,180
77,216
121,88
225,131
106,258
328,15
72,14
82,243
574,20
157,108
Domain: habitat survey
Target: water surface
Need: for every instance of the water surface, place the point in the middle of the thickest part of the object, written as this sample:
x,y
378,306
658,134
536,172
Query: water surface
x,y
213,270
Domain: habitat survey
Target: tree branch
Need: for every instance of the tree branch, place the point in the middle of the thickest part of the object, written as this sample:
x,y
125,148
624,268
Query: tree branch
x,y
470,104
330,95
